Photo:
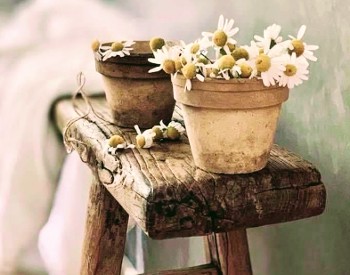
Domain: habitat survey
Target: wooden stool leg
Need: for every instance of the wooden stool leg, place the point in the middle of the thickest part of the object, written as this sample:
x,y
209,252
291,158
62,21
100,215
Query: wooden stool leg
x,y
230,253
105,233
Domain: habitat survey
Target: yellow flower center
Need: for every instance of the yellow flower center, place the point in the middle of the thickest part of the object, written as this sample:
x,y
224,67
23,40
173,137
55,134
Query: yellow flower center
x,y
158,132
140,141
189,71
263,63
290,70
115,140
95,45
298,46
117,46
240,53
194,48
226,62
178,64
156,43
231,47
202,60
169,66
246,70
219,38
172,133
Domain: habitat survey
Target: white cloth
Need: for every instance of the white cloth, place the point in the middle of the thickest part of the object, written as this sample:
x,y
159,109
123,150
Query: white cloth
x,y
42,49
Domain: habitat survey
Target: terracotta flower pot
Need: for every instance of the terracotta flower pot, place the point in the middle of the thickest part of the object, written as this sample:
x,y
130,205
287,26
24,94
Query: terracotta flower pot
x,y
133,95
230,124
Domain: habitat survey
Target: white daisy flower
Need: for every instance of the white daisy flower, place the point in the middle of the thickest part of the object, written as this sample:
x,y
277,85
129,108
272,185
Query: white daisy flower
x,y
145,139
271,37
165,58
269,67
195,48
301,48
115,143
223,35
225,67
295,71
117,49
246,68
173,130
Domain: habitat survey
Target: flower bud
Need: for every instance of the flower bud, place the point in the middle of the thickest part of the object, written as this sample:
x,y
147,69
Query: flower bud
x,y
240,53
95,45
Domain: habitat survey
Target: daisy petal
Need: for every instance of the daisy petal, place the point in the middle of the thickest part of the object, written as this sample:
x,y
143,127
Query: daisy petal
x,y
301,32
221,22
156,69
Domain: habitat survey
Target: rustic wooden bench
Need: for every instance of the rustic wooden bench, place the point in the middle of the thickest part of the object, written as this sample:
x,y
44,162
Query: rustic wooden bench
x,y
168,197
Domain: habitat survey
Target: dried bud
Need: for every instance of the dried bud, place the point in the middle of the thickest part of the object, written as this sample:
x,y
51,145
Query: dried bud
x,y
240,53
95,45
195,48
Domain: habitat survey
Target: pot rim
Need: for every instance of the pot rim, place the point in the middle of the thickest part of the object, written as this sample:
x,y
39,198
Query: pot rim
x,y
236,94
232,85
139,55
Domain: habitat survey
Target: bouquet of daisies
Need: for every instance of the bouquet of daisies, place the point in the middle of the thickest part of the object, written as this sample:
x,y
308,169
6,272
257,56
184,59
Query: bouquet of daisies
x,y
218,55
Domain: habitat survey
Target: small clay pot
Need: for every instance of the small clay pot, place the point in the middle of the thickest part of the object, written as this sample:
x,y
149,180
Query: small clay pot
x,y
133,95
230,124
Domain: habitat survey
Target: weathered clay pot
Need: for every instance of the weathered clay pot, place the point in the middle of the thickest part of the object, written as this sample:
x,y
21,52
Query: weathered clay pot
x,y
230,124
133,95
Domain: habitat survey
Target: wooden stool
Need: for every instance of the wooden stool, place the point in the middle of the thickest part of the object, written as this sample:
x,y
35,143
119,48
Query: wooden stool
x,y
168,197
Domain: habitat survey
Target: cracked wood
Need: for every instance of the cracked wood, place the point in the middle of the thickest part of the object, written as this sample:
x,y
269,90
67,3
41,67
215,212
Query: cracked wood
x,y
169,197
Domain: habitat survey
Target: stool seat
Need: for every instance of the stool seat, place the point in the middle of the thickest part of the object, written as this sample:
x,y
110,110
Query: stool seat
x,y
168,197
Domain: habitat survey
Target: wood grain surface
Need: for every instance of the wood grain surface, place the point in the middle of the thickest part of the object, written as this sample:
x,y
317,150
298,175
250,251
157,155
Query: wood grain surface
x,y
169,197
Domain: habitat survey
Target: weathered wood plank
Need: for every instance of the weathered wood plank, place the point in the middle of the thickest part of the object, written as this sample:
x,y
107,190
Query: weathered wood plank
x,y
169,197
207,269
230,252
105,233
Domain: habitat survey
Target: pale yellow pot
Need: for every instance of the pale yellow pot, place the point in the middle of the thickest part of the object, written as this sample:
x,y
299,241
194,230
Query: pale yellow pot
x,y
230,124
133,95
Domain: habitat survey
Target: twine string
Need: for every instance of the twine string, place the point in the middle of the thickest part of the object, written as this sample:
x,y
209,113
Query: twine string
x,y
82,114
